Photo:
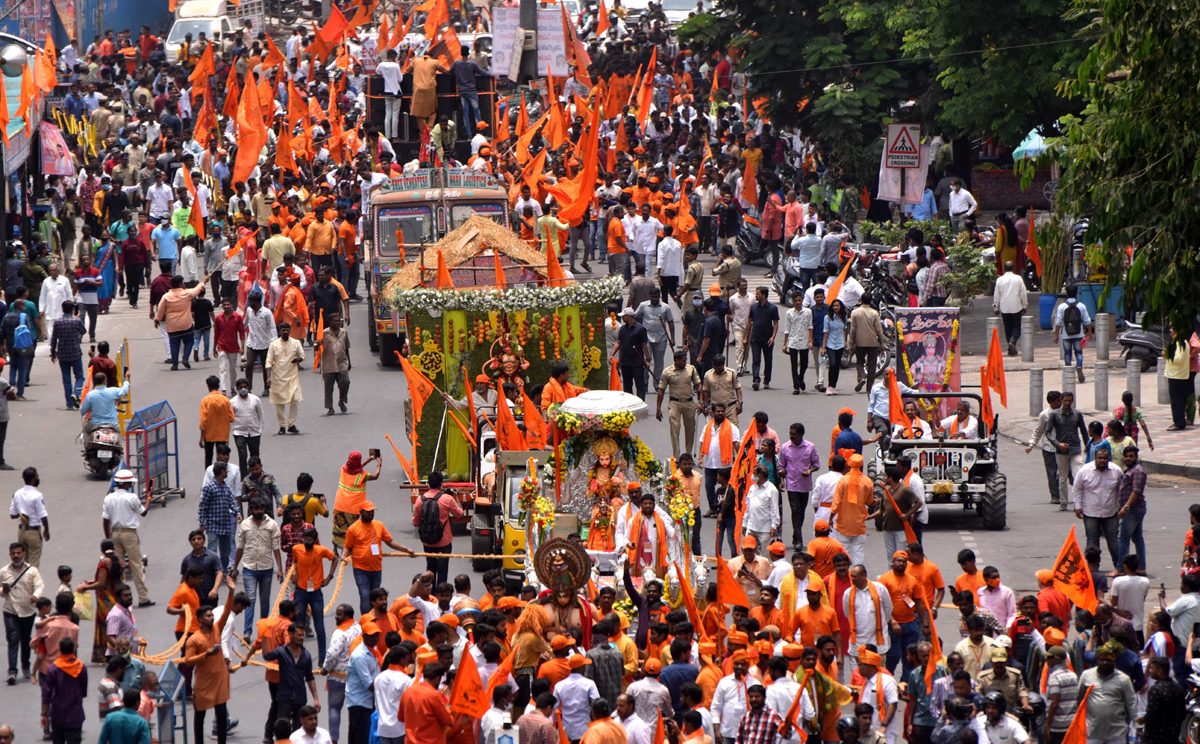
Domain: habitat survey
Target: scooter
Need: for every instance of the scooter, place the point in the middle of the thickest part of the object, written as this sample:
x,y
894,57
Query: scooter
x,y
1143,344
751,246
102,449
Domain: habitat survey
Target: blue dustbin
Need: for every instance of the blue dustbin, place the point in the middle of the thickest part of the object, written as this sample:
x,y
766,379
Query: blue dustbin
x,y
1089,295
1046,305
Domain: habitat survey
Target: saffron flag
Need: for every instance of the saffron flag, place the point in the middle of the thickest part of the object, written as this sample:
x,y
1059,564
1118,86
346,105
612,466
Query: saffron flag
x,y
935,654
49,76
507,434
334,27
832,294
401,29
252,135
283,149
789,721
562,731
522,117
467,693
501,675
438,15
535,425
4,114
909,534
689,601
317,341
26,105
195,217
471,405
404,463
645,95
1077,731
237,248
554,271
995,369
206,120
750,193
443,274
602,23
272,59
382,37
659,735
419,386
501,281
1032,251
1071,574
896,413
614,377
729,592
986,414
232,93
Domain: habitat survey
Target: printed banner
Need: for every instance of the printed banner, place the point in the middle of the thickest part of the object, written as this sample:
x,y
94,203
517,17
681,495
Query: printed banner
x,y
56,156
928,355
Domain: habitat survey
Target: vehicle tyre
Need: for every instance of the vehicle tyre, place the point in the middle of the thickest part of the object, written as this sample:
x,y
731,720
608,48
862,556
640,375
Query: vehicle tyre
x,y
372,334
1193,729
482,545
993,506
389,344
1148,362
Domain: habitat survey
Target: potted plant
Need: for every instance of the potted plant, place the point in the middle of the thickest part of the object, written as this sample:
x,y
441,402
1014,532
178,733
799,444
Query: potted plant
x,y
1054,239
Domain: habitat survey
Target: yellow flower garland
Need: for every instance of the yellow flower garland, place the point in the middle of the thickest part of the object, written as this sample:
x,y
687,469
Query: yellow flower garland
x,y
949,366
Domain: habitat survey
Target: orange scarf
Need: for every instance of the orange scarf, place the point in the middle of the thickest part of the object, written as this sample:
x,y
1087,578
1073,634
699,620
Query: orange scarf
x,y
635,535
724,439
878,613
71,665
880,698
374,649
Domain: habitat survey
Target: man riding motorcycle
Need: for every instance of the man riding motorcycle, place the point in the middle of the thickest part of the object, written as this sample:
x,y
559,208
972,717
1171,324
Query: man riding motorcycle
x,y
101,403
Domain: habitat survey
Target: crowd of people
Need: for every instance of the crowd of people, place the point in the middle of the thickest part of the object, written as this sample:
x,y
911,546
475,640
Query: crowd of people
x,y
256,229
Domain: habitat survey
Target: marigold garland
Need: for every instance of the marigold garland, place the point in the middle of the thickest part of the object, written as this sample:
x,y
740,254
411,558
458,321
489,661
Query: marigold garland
x,y
929,407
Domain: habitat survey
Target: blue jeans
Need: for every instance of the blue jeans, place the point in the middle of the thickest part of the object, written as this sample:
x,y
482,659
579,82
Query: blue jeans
x,y
337,698
222,545
72,390
186,339
252,583
725,530
18,371
1131,530
366,581
201,334
315,601
1073,345
909,632
470,109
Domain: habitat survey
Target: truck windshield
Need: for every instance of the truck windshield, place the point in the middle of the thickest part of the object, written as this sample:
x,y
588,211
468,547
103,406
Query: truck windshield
x,y
495,212
415,224
191,26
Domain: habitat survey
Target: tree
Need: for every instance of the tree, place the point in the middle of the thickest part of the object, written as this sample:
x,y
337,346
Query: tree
x,y
1001,93
1131,160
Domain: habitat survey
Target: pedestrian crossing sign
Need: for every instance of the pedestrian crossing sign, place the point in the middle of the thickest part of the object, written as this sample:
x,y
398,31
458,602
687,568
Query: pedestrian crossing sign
x,y
903,146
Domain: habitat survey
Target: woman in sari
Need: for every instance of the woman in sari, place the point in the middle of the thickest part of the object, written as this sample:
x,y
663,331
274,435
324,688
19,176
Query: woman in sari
x,y
108,576
106,264
1006,244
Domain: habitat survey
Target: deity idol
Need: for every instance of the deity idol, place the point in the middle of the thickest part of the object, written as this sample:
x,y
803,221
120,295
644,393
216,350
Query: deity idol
x,y
605,481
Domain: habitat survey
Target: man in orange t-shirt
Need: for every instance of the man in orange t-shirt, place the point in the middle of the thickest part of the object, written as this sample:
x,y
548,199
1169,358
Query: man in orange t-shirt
x,y
971,578
186,596
853,497
310,579
910,611
216,417
617,243
823,548
928,575
815,619
423,710
558,668
363,548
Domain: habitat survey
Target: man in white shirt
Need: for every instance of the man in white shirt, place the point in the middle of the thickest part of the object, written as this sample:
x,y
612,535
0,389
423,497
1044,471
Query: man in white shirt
x,y
1096,493
782,693
637,731
158,198
56,289
575,695
309,732
643,237
824,487
962,425
497,714
729,703
669,262
869,620
999,727
886,719
391,74
761,517
527,200
1010,301
389,686
739,316
962,204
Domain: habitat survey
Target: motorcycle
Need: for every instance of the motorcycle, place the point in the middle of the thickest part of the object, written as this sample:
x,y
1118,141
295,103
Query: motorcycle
x,y
751,246
1143,344
1191,704
102,449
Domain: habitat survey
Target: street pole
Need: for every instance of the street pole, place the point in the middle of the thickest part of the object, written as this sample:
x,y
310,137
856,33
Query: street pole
x,y
1068,379
1026,338
992,324
1133,379
1103,330
1100,377
1036,388
1164,396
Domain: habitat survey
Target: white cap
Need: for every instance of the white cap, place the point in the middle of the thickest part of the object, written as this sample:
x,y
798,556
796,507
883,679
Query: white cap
x,y
124,475
628,311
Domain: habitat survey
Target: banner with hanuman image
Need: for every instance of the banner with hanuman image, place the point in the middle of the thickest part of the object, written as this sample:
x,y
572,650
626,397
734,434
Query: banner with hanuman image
x,y
927,357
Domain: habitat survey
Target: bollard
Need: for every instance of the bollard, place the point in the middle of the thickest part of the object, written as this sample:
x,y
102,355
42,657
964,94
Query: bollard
x,y
1100,376
1164,395
992,323
1036,391
1103,330
1133,379
1068,380
1026,338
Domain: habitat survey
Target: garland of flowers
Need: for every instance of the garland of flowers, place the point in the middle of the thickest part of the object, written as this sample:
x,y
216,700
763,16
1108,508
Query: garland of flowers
x,y
575,423
929,407
626,607
527,498
679,505
423,299
543,517
570,452
648,469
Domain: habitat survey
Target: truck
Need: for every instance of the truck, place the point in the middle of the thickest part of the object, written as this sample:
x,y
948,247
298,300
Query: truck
x,y
420,208
212,17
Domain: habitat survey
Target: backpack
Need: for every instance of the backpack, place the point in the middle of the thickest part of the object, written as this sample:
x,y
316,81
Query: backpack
x,y
1072,318
429,520
22,338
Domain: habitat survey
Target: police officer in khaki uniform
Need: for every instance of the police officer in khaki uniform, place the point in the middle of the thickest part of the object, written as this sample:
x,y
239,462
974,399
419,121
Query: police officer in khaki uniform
x,y
681,384
721,385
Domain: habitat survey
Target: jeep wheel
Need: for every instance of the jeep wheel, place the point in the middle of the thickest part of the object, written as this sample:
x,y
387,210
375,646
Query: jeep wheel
x,y
389,344
993,505
482,545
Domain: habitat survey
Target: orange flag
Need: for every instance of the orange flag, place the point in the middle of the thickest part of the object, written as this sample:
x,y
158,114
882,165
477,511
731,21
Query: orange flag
x,y
195,218
237,248
501,282
419,387
273,56
909,534
575,194
750,193
4,114
522,117
501,123
319,47
1032,251
602,23
26,105
562,731
614,377
659,735
986,414
1071,575
789,721
471,406
689,600
317,339
995,369
501,675
832,294
204,68
443,274
252,134
535,425
206,120
283,150
231,94
408,468
334,27
438,15
554,271
1077,731
361,16
645,95
467,693
935,654
729,592
401,30
896,413
382,38
507,434
49,76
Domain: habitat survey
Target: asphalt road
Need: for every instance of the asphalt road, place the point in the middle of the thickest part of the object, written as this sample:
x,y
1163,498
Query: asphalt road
x,y
42,433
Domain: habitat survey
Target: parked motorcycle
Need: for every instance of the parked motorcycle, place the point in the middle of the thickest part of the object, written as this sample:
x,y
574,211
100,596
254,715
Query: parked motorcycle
x,y
1191,704
1143,344
103,449
751,247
